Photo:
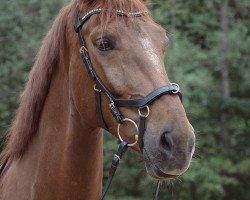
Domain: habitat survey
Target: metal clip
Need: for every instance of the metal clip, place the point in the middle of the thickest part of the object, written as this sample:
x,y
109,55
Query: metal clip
x,y
112,104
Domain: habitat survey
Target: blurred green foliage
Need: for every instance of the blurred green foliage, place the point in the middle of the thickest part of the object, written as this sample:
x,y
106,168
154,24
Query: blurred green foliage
x,y
220,169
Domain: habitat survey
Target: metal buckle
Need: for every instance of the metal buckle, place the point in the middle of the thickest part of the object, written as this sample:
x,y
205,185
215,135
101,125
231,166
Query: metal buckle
x,y
147,111
96,89
83,49
136,135
112,104
118,157
178,88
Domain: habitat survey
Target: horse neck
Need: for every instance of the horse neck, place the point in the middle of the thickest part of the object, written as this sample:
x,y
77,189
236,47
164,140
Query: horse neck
x,y
66,154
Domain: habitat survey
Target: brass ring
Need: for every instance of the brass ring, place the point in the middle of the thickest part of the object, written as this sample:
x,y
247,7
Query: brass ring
x,y
178,88
136,135
144,115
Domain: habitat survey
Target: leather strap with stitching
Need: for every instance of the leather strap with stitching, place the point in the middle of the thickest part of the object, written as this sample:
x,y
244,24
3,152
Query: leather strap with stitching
x,y
167,89
98,105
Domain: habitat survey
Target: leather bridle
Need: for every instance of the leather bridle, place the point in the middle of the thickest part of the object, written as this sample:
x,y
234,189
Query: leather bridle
x,y
114,103
99,86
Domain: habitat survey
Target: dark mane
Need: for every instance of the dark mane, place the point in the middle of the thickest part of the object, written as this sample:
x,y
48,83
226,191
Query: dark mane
x,y
32,100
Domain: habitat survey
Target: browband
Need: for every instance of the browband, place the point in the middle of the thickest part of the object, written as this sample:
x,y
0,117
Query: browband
x,y
86,17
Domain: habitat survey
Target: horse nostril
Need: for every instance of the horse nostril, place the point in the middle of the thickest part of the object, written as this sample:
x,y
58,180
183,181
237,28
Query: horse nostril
x,y
167,142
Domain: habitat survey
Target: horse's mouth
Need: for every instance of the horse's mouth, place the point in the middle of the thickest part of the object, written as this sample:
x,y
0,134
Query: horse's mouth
x,y
154,171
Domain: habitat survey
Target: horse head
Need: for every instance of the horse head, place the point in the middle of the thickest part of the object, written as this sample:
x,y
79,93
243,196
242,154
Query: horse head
x,y
126,49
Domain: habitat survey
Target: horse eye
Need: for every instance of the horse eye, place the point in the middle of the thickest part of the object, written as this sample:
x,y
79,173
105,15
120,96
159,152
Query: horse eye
x,y
104,44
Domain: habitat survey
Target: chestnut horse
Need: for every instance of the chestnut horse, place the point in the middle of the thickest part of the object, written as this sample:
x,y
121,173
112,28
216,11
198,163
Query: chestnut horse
x,y
54,148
